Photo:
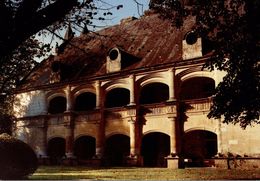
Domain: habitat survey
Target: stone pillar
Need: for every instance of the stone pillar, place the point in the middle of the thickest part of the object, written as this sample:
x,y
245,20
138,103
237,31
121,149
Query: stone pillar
x,y
69,99
42,151
133,148
100,140
172,96
45,104
173,159
132,89
69,124
43,155
134,158
173,136
98,95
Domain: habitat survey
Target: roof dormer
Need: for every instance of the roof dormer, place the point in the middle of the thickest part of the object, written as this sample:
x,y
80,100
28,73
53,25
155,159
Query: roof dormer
x,y
118,59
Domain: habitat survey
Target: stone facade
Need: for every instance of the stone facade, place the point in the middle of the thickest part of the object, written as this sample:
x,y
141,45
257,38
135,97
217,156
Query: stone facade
x,y
128,112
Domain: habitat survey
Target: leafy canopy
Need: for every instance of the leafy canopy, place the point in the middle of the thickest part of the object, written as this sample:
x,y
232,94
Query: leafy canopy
x,y
234,29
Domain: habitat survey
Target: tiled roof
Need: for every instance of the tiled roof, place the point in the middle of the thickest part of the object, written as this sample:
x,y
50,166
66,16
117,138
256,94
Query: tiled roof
x,y
150,38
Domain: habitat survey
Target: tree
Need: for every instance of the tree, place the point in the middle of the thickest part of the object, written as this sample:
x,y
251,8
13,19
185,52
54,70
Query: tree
x,y
20,21
233,28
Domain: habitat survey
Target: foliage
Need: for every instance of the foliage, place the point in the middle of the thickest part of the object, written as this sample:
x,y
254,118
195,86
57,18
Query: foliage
x,y
17,159
233,27
6,121
21,19
12,70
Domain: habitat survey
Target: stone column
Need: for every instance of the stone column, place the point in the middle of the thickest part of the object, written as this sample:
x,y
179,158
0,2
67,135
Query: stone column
x,y
173,159
133,138
42,152
69,99
173,136
45,104
69,124
100,141
98,95
172,96
132,89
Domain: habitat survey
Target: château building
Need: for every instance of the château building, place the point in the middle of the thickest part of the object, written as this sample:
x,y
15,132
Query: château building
x,y
133,94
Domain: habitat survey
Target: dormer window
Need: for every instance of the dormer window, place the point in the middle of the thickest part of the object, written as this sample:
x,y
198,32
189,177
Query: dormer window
x,y
191,46
118,59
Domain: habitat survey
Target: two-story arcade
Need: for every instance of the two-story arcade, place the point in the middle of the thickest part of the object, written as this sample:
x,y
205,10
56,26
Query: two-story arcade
x,y
131,94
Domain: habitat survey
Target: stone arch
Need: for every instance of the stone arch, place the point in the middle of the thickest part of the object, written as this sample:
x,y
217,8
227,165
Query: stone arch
x,y
199,145
84,147
155,147
194,72
196,87
155,92
82,89
122,83
153,78
53,94
117,149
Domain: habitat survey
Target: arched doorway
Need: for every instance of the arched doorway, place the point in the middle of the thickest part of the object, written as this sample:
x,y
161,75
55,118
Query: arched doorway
x,y
117,97
57,105
56,150
85,102
117,148
85,147
198,146
154,93
197,88
155,147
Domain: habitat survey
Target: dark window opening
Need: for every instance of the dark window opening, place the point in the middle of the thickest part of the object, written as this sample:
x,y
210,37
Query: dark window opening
x,y
57,105
85,147
196,88
56,150
85,102
117,149
155,147
154,93
113,54
117,97
198,146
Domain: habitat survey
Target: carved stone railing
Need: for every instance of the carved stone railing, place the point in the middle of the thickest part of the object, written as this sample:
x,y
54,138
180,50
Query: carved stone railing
x,y
159,109
120,112
88,116
198,105
56,119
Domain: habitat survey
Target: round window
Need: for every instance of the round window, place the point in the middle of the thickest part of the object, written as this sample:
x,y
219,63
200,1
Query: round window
x,y
113,54
191,37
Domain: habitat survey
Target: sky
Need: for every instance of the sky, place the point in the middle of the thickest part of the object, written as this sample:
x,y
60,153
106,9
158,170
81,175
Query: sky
x,y
130,8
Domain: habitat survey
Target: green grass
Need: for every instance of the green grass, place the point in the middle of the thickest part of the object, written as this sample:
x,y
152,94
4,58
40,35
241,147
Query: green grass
x,y
67,173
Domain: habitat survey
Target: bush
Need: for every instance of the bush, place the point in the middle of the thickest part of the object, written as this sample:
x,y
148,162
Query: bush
x,y
17,159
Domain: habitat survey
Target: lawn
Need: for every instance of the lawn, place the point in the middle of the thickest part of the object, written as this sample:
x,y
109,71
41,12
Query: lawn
x,y
65,173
